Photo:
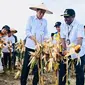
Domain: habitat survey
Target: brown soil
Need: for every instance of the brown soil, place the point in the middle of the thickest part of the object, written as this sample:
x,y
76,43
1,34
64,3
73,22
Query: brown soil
x,y
8,79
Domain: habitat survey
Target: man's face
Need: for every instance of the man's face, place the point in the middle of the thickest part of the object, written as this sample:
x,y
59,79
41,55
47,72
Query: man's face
x,y
40,13
68,19
9,34
84,28
4,31
58,28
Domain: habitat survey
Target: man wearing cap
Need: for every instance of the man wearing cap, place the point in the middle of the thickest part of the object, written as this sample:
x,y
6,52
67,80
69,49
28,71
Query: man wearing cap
x,y
57,26
73,32
4,31
57,34
36,27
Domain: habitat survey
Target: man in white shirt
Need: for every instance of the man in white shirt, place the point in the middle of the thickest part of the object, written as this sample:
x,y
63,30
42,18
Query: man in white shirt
x,y
36,27
73,32
8,50
84,38
5,29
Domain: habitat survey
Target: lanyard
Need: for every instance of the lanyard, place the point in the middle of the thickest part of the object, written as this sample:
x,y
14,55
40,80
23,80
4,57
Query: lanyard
x,y
69,32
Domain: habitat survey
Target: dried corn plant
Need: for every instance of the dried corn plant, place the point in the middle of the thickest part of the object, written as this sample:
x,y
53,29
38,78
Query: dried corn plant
x,y
9,45
20,48
6,44
1,46
72,49
49,53
46,55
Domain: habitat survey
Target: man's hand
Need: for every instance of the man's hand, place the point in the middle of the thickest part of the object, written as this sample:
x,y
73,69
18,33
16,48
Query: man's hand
x,y
34,39
77,48
64,52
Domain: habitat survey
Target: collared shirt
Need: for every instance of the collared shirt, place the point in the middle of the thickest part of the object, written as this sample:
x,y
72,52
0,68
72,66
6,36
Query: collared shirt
x,y
8,39
84,42
36,27
76,30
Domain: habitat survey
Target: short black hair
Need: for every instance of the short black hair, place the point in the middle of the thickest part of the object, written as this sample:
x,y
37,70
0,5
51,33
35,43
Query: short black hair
x,y
40,9
57,24
52,34
6,27
84,26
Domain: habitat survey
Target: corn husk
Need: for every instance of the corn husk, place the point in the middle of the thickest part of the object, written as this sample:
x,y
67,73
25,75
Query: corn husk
x,y
17,74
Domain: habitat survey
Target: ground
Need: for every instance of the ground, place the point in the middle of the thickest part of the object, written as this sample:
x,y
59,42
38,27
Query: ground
x,y
8,79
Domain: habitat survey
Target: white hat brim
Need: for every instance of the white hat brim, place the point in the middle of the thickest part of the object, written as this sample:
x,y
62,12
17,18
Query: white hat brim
x,y
35,9
43,7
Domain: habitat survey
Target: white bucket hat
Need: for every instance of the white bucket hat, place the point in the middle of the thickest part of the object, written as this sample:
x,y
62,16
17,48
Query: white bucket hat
x,y
41,6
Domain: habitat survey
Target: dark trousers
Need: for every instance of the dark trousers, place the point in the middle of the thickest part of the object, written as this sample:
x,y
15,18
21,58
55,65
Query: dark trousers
x,y
14,59
79,70
26,68
62,72
6,60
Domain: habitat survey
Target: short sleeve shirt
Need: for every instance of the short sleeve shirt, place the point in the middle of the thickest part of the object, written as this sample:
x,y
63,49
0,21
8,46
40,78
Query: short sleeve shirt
x,y
76,30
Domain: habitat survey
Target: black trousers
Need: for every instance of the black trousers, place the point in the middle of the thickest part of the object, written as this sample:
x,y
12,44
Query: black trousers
x,y
6,60
14,59
62,72
26,68
79,70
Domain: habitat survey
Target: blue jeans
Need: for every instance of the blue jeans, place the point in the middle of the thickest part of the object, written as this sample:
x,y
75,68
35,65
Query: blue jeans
x,y
79,70
26,68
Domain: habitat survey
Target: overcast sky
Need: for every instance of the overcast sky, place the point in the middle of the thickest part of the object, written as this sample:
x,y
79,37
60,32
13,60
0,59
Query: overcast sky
x,y
16,12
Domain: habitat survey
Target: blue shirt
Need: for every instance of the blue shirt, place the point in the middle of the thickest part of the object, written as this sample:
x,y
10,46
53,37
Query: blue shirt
x,y
36,27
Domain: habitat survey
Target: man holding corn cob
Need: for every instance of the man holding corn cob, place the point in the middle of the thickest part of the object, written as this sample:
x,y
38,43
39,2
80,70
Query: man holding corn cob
x,y
35,32
73,32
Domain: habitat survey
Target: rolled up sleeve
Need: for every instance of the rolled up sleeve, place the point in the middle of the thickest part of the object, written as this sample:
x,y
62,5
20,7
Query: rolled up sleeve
x,y
29,27
45,31
80,32
62,29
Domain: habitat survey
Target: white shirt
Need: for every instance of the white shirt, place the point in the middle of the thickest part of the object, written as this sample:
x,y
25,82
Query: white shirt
x,y
8,39
84,41
36,27
76,30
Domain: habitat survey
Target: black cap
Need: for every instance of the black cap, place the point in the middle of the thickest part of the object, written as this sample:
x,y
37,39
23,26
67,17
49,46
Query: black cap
x,y
57,24
69,12
6,27
84,26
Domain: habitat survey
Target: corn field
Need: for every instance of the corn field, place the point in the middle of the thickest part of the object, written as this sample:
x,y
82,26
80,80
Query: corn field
x,y
47,57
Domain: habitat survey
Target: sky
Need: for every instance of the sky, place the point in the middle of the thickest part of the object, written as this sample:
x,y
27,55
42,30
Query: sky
x,y
15,13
